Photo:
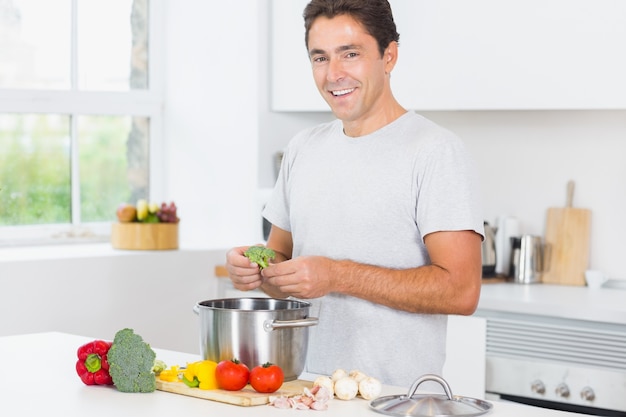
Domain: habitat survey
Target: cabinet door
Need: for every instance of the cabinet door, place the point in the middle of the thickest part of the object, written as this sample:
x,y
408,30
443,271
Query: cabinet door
x,y
292,86
479,54
464,369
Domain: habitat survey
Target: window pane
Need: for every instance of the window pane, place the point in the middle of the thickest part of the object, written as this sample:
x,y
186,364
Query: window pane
x,y
112,45
35,44
34,169
113,164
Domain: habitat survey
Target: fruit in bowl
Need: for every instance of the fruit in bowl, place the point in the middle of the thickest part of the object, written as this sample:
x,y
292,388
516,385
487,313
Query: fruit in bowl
x,y
126,213
145,226
167,213
144,212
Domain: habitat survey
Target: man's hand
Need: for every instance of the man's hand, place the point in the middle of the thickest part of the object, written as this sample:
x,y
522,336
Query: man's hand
x,y
302,277
244,274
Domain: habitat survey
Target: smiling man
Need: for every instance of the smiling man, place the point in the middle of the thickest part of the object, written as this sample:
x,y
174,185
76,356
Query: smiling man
x,y
374,216
353,74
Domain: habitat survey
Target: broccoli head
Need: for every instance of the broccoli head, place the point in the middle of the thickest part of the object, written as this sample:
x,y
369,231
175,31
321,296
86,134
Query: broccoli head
x,y
158,366
260,255
130,363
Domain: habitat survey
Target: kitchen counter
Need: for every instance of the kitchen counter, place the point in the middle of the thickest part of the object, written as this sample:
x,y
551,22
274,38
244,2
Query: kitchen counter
x,y
571,302
40,378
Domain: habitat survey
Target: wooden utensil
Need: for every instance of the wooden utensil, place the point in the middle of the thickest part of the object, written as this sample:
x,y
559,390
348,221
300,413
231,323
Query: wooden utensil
x,y
568,233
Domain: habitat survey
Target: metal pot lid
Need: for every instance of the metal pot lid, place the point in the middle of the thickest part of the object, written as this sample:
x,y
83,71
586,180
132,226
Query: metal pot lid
x,y
430,405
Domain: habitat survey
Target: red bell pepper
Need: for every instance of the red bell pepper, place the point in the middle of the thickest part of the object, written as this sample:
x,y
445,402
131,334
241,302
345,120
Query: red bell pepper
x,y
92,365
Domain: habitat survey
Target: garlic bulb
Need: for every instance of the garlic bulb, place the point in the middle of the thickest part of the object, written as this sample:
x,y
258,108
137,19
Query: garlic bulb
x,y
338,374
370,388
326,382
357,375
346,388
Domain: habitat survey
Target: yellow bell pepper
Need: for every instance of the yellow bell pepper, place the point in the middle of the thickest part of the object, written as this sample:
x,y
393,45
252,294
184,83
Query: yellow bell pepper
x,y
202,373
170,375
189,374
205,371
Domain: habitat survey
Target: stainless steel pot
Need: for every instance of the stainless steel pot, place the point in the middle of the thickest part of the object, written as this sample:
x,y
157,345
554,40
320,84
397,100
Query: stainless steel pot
x,y
256,331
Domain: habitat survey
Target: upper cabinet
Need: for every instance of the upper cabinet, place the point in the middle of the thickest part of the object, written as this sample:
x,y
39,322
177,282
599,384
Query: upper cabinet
x,y
478,55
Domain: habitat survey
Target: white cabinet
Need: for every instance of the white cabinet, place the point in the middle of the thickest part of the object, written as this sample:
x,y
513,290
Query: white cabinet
x,y
292,86
464,369
96,290
478,55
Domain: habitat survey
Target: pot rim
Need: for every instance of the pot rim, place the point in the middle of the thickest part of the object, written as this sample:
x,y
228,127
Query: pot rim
x,y
298,305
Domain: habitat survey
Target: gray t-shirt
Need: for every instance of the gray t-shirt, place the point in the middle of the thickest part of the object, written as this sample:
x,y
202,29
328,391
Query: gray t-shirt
x,y
372,199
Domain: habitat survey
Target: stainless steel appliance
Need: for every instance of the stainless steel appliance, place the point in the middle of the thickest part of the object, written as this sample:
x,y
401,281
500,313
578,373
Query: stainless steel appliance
x,y
489,251
528,259
506,228
563,364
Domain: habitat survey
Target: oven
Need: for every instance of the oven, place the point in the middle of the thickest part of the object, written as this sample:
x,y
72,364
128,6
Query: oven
x,y
563,364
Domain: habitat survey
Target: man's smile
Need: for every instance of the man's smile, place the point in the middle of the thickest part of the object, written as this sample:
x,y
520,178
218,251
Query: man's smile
x,y
343,92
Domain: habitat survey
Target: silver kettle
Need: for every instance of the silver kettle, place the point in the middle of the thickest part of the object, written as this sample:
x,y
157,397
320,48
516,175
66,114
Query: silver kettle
x,y
489,251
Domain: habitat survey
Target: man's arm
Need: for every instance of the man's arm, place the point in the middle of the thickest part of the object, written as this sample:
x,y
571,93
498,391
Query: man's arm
x,y
449,285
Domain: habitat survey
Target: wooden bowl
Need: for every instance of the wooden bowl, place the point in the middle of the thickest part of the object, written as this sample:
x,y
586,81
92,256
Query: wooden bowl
x,y
144,236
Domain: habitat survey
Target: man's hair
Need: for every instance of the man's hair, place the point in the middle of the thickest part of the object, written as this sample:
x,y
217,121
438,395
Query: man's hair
x,y
374,15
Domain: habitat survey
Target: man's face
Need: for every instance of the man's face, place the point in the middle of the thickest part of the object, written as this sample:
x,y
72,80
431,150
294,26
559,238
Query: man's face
x,y
348,69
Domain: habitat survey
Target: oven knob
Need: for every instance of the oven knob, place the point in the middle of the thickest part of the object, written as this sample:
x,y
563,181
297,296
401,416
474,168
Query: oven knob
x,y
537,387
562,390
587,394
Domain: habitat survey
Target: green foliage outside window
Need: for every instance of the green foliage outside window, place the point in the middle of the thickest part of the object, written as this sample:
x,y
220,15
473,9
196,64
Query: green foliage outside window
x,y
35,168
103,166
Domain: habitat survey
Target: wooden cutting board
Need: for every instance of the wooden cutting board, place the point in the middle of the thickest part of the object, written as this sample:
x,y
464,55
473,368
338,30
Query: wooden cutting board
x,y
245,398
568,232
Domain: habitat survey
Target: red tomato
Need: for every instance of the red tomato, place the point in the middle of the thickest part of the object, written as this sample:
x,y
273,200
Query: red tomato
x,y
266,378
232,375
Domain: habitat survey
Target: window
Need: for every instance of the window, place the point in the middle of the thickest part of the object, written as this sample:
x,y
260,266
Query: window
x,y
80,113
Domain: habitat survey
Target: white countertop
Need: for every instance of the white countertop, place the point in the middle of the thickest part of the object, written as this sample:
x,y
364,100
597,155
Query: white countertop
x,y
40,378
606,305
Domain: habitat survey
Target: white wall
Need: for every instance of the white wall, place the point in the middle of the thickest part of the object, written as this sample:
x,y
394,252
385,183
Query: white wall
x,y
100,292
211,120
525,159
222,137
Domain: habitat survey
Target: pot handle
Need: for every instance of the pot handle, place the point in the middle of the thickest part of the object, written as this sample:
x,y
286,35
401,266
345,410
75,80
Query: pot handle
x,y
269,325
196,309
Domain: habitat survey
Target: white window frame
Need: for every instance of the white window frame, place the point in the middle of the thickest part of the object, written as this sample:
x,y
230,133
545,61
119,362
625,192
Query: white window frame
x,y
145,103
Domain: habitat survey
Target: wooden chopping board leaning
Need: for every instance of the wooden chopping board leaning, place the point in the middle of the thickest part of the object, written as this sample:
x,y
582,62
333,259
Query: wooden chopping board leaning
x,y
567,236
